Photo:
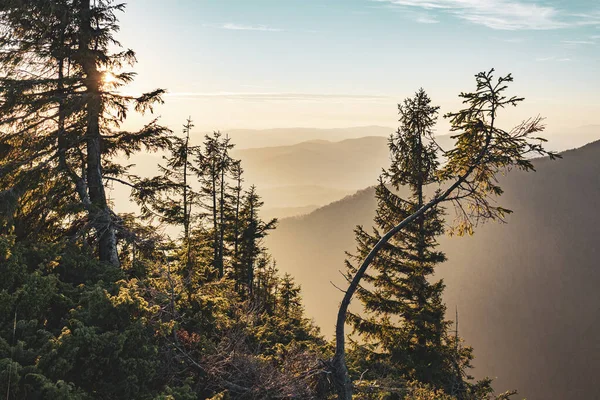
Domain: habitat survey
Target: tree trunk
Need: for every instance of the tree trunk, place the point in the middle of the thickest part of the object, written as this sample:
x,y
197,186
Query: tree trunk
x,y
187,211
222,216
341,378
100,214
214,177
186,217
237,218
237,265
78,181
422,340
252,250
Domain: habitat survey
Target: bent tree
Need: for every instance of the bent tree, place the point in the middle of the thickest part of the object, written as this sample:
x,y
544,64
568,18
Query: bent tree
x,y
403,331
468,180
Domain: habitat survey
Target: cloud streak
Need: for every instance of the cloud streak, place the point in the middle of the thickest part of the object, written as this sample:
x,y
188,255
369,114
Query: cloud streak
x,y
242,27
501,14
576,42
280,97
552,58
426,19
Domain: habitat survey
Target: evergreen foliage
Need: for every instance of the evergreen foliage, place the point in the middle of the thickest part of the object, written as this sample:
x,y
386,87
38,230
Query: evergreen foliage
x,y
61,116
95,305
405,336
468,180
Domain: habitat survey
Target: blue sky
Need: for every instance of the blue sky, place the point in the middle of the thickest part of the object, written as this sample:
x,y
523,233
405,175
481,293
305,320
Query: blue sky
x,y
336,63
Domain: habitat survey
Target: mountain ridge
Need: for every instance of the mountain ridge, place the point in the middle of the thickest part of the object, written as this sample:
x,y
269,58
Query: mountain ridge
x,y
520,287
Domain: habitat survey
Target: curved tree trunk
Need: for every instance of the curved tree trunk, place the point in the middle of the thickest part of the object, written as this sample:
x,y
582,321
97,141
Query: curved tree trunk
x,y
341,377
342,381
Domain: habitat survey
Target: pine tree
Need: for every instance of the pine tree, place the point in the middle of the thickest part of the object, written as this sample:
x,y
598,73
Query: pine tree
x,y
289,296
266,287
36,44
253,231
405,325
55,95
169,198
236,198
469,178
184,153
214,163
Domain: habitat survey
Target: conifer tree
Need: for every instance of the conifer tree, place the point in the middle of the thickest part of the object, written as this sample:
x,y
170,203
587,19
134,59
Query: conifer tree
x,y
267,280
213,166
236,197
55,93
169,197
253,231
468,180
183,161
404,329
36,43
289,295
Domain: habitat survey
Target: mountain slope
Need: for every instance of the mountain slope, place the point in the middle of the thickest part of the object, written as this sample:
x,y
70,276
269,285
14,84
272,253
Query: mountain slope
x,y
312,167
316,172
527,291
254,138
351,163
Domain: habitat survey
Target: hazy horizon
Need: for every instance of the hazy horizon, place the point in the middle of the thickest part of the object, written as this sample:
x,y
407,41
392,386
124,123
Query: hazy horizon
x,y
256,65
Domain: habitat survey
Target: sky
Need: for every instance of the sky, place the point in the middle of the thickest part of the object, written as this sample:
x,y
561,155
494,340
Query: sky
x,y
341,63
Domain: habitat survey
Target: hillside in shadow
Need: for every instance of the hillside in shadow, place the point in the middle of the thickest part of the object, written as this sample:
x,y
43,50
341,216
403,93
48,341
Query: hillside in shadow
x,y
526,291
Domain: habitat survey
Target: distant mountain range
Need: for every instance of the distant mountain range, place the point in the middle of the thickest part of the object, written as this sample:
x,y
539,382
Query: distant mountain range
x,y
316,172
577,137
299,178
256,138
349,164
320,166
527,292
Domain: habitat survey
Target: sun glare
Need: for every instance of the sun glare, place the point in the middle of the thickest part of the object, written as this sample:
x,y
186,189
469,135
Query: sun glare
x,y
108,77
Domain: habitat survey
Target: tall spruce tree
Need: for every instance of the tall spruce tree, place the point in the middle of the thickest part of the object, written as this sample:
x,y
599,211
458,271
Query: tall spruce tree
x,y
253,231
404,329
468,180
214,163
37,40
56,94
169,197
236,198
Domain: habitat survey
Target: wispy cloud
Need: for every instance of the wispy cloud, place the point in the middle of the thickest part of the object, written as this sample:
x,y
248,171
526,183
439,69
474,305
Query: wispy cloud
x,y
512,40
280,97
574,44
427,19
241,27
591,18
552,58
502,14
577,42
